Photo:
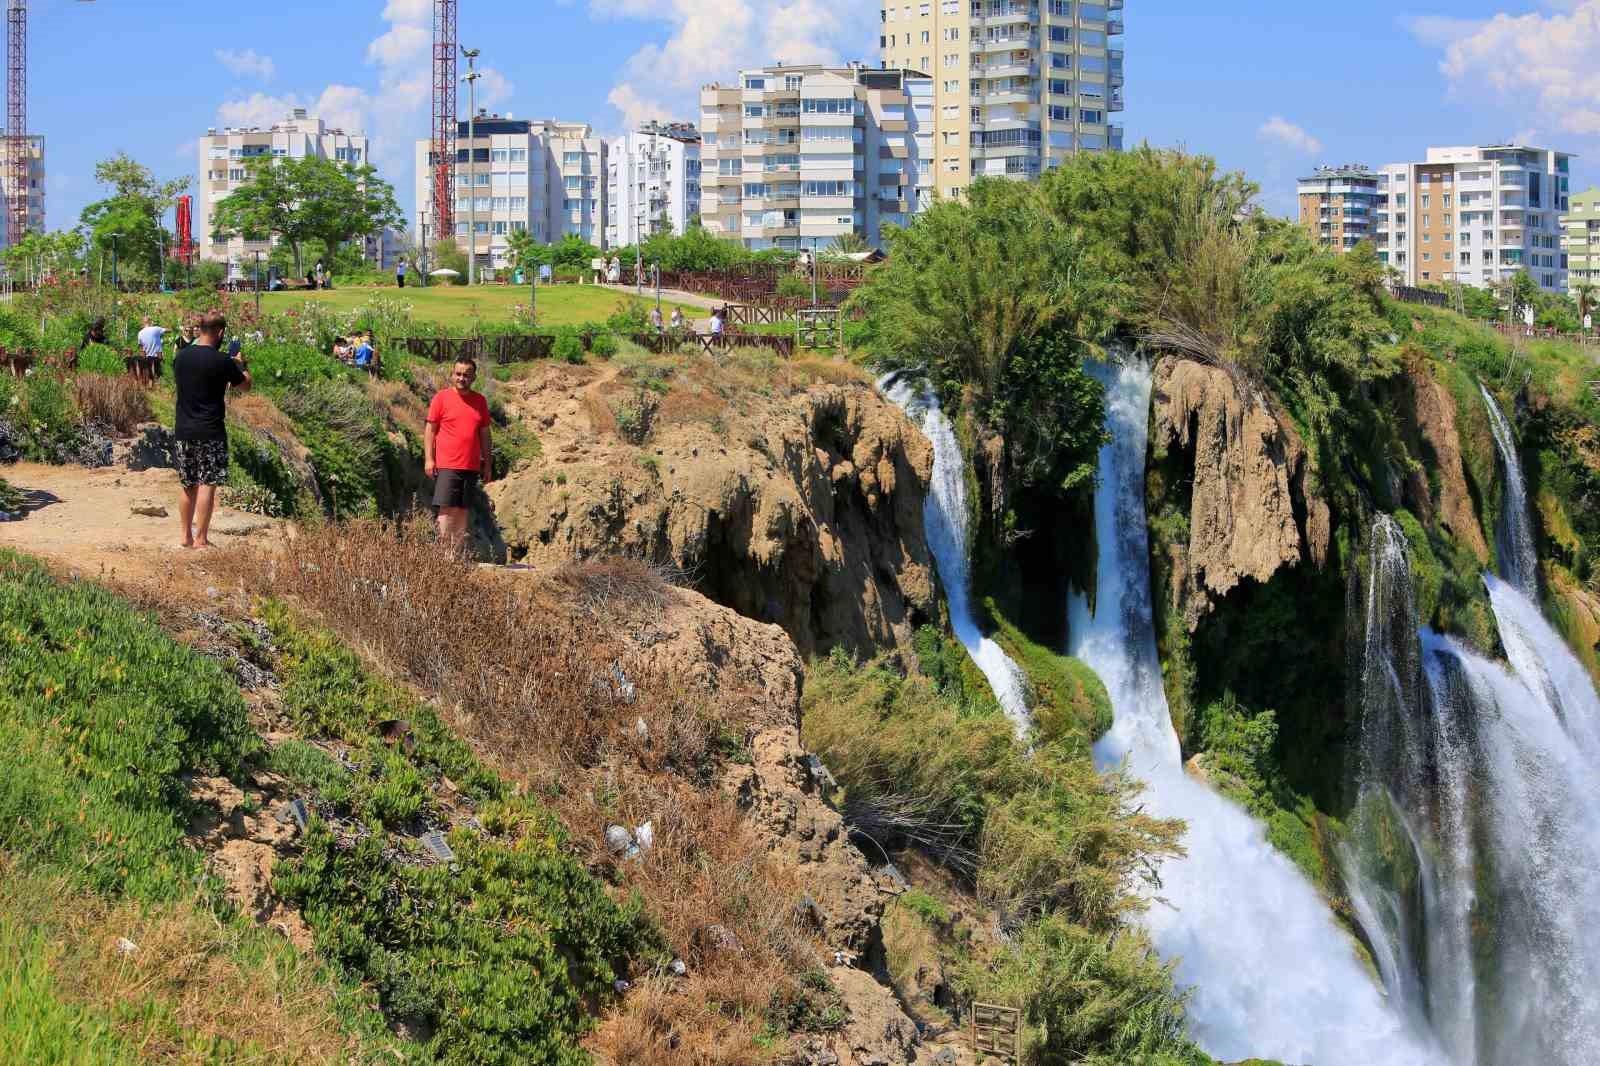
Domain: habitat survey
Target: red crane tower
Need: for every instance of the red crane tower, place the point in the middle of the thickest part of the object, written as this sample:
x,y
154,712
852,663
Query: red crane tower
x,y
17,152
444,118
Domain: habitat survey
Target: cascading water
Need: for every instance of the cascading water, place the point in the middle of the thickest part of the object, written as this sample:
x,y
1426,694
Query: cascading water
x,y
945,517
1519,558
1472,863
1272,972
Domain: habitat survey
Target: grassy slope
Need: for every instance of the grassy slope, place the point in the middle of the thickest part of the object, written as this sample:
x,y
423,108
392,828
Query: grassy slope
x,y
458,306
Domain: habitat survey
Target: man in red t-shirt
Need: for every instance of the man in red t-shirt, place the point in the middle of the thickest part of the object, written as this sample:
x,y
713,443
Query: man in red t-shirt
x,y
456,451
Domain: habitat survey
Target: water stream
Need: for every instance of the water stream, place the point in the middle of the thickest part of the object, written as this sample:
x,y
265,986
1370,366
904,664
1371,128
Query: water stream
x,y
1473,862
1272,972
945,517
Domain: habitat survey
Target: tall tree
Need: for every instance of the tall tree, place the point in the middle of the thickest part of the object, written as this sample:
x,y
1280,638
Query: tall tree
x,y
300,200
133,213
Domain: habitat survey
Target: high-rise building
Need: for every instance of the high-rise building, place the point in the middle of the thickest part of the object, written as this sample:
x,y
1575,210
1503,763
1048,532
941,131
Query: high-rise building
x,y
34,191
224,156
1338,205
540,176
1476,215
1019,85
652,178
1581,237
792,156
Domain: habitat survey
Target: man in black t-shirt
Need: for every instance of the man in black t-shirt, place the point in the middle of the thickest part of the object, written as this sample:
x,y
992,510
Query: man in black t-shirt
x,y
203,376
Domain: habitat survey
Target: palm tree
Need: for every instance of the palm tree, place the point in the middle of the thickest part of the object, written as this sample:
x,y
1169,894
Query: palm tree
x,y
1585,292
851,243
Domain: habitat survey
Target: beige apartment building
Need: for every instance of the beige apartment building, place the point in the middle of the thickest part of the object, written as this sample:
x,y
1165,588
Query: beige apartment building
x,y
796,155
34,192
1339,205
224,155
1019,85
1476,215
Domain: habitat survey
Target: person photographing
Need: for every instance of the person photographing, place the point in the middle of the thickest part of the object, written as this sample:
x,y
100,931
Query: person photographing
x,y
456,450
203,375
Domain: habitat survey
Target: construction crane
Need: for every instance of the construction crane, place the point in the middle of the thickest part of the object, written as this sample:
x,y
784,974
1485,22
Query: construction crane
x,y
18,153
444,117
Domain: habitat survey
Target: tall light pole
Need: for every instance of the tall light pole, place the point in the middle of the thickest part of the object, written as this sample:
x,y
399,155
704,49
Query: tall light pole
x,y
114,281
471,78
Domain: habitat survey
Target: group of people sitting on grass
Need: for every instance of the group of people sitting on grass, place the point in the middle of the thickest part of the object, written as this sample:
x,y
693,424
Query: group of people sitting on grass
x,y
357,350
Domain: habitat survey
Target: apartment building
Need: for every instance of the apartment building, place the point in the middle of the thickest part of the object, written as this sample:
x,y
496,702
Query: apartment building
x,y
34,193
536,175
796,155
652,177
1019,85
1476,215
1581,237
1339,205
224,156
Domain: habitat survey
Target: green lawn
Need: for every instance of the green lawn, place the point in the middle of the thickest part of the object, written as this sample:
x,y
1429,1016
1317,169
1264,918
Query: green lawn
x,y
458,305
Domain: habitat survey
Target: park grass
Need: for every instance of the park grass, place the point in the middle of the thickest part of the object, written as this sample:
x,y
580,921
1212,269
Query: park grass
x,y
459,307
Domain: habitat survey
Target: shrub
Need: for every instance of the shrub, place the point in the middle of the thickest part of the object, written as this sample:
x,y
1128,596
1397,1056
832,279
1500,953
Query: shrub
x,y
496,955
17,334
43,422
352,457
568,347
100,359
114,400
604,346
260,482
794,287
100,716
287,365
1031,833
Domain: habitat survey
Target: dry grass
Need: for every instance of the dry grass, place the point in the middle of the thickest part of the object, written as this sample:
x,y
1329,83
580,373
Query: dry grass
x,y
255,410
193,982
116,400
524,668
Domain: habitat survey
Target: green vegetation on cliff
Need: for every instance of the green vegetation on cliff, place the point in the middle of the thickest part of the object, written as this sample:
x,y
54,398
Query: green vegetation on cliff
x,y
1058,851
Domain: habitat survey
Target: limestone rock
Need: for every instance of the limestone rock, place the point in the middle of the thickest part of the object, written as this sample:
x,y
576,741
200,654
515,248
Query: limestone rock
x,y
879,1032
1434,416
804,511
1250,472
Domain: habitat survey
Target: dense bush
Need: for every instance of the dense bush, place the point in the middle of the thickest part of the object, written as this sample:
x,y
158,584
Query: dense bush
x,y
100,359
100,715
568,346
495,956
357,466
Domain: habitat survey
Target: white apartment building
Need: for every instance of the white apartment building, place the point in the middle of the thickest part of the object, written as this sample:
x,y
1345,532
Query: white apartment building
x,y
652,175
792,156
223,159
34,193
1476,215
1020,85
514,175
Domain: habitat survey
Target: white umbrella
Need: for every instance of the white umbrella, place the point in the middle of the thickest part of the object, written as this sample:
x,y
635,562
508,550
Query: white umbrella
x,y
444,272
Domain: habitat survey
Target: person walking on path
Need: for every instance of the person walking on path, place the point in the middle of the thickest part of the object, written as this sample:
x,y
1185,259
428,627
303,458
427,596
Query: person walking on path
x,y
456,450
400,273
203,376
150,340
677,320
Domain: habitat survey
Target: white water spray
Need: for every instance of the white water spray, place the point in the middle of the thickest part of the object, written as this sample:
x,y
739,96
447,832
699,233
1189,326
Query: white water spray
x,y
1519,558
945,517
1273,974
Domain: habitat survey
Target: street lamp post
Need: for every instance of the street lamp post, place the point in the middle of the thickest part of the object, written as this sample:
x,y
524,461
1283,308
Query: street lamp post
x,y
114,280
422,252
471,79
258,284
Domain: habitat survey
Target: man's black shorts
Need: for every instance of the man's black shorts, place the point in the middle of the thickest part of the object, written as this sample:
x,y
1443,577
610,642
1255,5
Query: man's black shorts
x,y
453,488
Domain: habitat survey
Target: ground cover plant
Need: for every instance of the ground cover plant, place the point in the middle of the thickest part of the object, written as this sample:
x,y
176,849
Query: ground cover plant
x,y
458,307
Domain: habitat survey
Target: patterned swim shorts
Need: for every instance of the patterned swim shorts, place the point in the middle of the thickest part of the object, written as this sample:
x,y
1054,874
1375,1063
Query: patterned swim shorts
x,y
202,462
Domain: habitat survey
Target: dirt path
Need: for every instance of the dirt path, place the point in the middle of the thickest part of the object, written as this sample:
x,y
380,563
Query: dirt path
x,y
85,520
691,299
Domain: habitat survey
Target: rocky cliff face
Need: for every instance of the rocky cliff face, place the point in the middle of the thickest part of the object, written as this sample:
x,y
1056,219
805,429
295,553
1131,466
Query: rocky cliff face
x,y
803,510
1433,417
1251,511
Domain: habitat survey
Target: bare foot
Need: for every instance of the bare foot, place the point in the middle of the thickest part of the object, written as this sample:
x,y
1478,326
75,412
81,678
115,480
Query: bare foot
x,y
203,544
188,544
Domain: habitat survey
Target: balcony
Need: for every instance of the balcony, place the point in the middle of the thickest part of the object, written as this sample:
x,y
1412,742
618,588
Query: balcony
x,y
1018,69
1011,43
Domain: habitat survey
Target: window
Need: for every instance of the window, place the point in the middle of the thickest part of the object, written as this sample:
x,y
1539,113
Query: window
x,y
1091,117
500,203
519,203
480,179
1425,199
500,229
519,155
499,155
574,184
236,174
1060,87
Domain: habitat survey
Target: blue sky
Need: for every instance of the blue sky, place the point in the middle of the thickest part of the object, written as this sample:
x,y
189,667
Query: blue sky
x,y
1271,87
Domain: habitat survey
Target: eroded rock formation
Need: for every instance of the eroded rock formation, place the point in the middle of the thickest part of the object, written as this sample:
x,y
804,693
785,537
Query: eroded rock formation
x,y
1433,414
1252,511
804,511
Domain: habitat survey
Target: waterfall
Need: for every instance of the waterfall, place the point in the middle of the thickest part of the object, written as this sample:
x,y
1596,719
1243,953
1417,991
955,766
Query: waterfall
x,y
1519,558
944,516
1271,971
1471,862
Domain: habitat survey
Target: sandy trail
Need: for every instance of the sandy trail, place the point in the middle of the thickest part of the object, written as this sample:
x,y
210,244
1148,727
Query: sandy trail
x,y
83,520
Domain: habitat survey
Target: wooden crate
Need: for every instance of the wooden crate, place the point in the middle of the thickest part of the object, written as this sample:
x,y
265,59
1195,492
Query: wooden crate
x,y
997,1031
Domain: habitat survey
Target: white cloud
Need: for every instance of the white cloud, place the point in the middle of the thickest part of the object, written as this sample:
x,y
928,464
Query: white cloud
x,y
1542,64
247,64
1281,130
710,40
344,106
